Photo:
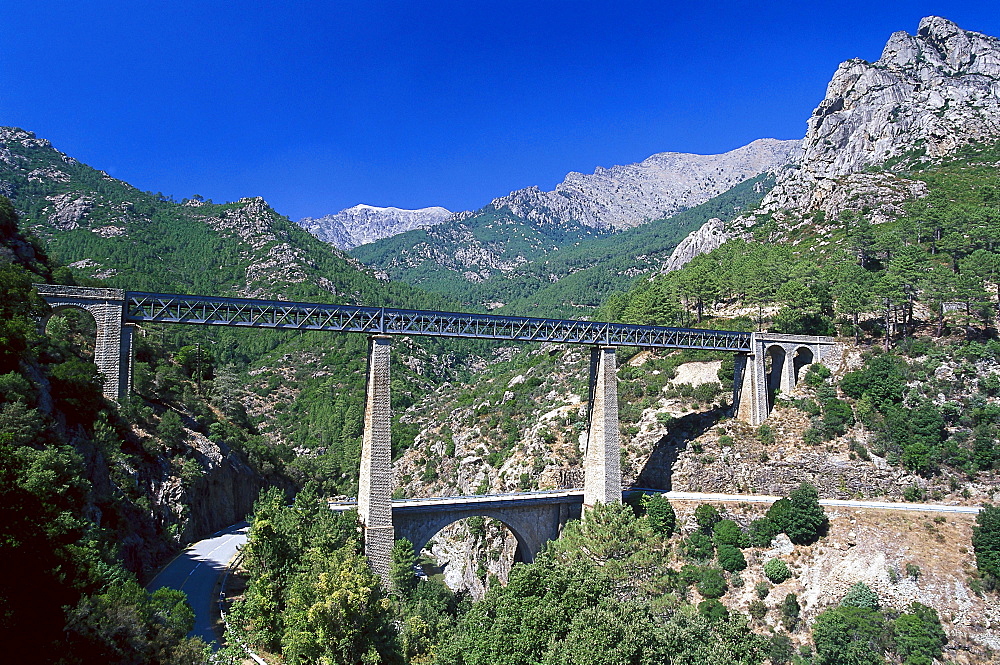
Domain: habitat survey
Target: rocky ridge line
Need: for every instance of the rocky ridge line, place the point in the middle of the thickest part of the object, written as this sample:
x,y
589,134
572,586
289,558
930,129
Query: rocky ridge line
x,y
926,96
362,224
627,196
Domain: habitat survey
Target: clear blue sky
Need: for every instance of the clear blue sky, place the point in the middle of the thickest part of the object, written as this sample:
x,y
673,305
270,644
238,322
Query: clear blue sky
x,y
320,105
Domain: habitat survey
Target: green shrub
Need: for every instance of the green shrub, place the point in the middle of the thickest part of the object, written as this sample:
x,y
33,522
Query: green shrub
x,y
805,521
860,595
765,434
660,514
761,532
777,571
790,611
780,651
712,583
917,636
707,517
757,609
713,610
731,558
986,540
698,547
850,635
727,532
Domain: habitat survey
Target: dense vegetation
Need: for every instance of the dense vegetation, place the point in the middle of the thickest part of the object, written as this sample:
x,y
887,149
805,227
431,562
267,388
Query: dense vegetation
x,y
69,518
613,589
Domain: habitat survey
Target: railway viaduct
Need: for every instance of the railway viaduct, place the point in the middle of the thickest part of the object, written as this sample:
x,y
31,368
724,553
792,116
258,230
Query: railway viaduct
x,y
765,364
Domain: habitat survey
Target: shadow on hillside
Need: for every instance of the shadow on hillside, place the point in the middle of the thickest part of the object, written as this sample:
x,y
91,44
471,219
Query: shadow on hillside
x,y
657,472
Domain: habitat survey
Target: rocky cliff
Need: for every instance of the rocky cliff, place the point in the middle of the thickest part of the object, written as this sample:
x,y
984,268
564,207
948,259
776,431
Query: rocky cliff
x,y
363,224
622,197
928,95
709,236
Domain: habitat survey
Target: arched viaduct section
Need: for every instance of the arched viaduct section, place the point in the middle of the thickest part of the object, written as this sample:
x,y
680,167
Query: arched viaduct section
x,y
774,363
116,311
533,519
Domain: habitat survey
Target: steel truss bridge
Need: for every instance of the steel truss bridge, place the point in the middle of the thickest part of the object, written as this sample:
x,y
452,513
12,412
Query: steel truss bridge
x,y
282,315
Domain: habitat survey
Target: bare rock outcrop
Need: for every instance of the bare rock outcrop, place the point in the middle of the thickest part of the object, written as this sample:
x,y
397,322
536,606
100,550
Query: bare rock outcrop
x,y
622,197
928,95
362,224
711,235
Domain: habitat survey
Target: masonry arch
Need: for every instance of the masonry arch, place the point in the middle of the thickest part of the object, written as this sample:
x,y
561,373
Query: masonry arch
x,y
420,531
802,357
774,368
74,324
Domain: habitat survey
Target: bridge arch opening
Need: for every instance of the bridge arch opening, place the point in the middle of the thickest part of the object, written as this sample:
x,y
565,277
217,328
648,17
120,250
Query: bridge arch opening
x,y
73,326
774,367
465,551
802,359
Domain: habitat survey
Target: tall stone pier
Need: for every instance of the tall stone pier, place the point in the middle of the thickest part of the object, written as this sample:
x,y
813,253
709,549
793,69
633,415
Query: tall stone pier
x,y
375,485
113,346
602,462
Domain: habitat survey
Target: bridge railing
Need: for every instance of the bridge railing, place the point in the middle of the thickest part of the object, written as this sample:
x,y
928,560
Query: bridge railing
x,y
211,310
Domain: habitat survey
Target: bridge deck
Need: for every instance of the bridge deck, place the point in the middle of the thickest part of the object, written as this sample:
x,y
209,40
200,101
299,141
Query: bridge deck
x,y
242,312
481,501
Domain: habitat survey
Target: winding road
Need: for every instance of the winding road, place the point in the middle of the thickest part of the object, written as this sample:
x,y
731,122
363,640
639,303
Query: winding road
x,y
197,572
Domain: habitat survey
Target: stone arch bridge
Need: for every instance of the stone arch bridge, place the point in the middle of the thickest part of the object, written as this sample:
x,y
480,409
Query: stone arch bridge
x,y
765,363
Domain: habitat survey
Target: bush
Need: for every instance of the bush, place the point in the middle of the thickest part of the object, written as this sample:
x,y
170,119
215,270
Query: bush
x,y
698,546
779,514
860,595
806,520
727,532
850,635
837,416
780,651
707,517
790,610
765,434
757,609
986,540
777,571
731,558
711,584
761,532
660,514
762,588
713,610
917,636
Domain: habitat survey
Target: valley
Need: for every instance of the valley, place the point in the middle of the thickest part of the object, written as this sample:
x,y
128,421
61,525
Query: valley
x,y
879,232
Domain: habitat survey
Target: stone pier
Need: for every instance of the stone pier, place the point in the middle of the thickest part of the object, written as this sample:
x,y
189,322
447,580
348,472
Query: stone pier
x,y
113,346
602,461
375,484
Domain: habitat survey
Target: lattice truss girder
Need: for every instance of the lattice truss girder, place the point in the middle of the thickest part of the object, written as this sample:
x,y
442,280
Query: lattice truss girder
x,y
166,308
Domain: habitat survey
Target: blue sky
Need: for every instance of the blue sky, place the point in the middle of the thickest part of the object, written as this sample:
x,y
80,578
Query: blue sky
x,y
320,105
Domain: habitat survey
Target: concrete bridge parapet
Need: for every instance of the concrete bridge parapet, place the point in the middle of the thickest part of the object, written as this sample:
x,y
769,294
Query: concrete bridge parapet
x,y
756,384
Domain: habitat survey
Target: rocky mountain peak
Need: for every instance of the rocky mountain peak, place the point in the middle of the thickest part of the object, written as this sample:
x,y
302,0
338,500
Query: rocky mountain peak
x,y
626,196
362,224
935,90
926,96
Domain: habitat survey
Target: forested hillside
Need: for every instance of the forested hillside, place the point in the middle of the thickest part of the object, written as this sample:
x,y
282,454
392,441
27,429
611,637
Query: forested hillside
x,y
81,511
496,260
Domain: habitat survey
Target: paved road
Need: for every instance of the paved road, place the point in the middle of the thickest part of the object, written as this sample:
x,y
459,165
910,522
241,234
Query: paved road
x,y
842,503
196,571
